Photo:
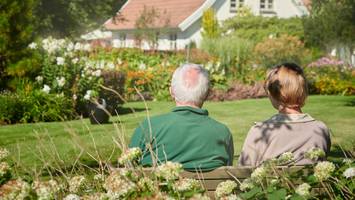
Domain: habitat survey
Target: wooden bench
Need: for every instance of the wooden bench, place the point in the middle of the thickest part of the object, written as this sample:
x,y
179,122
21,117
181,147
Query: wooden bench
x,y
211,179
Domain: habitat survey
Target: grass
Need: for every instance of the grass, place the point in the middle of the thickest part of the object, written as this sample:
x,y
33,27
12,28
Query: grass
x,y
35,144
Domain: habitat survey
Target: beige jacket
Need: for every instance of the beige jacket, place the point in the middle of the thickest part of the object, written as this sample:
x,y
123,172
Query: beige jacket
x,y
295,133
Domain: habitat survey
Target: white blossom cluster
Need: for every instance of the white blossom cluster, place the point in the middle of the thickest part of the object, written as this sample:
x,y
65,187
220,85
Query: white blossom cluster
x,y
52,45
72,197
131,155
76,183
347,161
315,154
15,189
60,81
46,189
186,184
95,196
303,190
88,95
168,170
259,174
225,188
286,157
46,89
4,153
146,184
247,184
323,170
349,173
118,186
4,168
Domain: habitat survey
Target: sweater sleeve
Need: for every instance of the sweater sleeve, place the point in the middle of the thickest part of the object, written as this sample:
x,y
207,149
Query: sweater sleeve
x,y
249,155
230,149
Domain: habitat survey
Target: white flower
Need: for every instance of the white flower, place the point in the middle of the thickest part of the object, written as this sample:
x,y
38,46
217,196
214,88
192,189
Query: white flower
x,y
142,66
323,170
87,47
15,189
75,60
349,173
285,158
247,184
39,79
33,45
99,177
46,189
78,46
4,153
315,154
130,155
347,161
168,170
60,81
4,168
117,186
72,197
259,174
97,73
110,65
186,184
46,89
75,183
225,188
146,184
303,190
70,47
60,60
75,97
119,61
87,95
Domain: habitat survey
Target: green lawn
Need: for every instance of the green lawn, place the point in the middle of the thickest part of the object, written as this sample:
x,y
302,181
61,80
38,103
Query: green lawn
x,y
32,144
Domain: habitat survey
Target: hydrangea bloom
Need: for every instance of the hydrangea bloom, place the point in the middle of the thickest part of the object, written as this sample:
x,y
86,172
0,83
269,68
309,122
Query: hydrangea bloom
x,y
259,174
169,170
323,170
15,189
4,168
247,184
303,190
186,184
117,186
130,156
315,154
285,158
45,189
225,188
146,184
72,197
349,173
4,153
75,183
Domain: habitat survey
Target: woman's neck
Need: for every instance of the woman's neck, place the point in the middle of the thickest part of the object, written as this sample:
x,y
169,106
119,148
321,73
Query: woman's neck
x,y
286,110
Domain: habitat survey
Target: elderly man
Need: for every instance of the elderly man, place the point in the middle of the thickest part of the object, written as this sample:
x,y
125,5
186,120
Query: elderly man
x,y
187,134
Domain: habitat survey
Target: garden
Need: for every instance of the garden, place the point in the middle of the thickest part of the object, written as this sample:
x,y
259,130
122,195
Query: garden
x,y
68,107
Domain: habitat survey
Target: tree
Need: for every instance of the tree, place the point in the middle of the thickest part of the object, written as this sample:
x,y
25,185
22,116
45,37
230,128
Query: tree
x,y
16,32
210,27
63,18
331,24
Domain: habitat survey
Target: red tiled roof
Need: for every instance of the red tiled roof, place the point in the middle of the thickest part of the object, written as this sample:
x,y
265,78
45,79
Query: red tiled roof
x,y
172,11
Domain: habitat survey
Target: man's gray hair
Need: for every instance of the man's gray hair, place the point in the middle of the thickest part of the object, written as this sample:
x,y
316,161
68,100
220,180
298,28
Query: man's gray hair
x,y
190,84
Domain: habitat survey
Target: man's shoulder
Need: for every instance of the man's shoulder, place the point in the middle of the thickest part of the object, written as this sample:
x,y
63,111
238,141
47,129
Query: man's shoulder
x,y
218,124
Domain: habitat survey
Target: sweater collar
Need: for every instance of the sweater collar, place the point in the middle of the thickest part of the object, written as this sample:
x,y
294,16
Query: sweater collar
x,y
191,109
291,118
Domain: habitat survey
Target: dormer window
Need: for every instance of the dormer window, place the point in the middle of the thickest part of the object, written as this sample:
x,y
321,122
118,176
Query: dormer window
x,y
235,4
266,5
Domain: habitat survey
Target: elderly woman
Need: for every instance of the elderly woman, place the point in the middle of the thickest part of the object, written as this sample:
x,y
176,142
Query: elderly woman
x,y
290,130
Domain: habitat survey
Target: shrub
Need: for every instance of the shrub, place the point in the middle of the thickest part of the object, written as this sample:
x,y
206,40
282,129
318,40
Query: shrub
x,y
273,51
34,107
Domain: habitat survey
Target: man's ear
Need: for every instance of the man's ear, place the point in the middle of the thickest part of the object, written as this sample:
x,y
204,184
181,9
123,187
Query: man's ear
x,y
171,93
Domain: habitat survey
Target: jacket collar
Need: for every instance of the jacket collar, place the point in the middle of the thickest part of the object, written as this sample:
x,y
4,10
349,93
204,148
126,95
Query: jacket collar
x,y
290,118
191,109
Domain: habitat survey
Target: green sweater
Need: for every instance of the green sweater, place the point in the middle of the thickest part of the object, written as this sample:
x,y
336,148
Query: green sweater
x,y
186,135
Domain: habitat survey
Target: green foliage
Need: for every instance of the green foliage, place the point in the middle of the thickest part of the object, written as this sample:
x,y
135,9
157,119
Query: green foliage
x,y
34,107
234,53
257,28
210,26
330,24
273,51
16,26
64,18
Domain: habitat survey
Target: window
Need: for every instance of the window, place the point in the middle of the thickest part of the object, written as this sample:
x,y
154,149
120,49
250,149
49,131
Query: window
x,y
235,4
173,39
123,38
266,5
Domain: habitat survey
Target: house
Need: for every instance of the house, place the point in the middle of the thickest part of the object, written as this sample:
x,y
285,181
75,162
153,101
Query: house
x,y
177,23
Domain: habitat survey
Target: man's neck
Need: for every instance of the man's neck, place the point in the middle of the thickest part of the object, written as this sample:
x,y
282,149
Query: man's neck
x,y
178,104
